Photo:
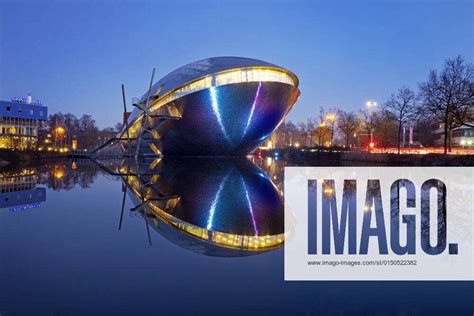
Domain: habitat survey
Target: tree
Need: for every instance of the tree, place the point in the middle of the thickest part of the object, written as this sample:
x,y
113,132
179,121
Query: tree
x,y
347,123
307,129
386,129
55,119
118,127
368,121
321,130
330,118
422,131
71,124
89,131
449,96
402,108
286,133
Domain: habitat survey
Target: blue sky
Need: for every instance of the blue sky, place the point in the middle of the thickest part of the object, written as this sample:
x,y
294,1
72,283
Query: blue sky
x,y
74,55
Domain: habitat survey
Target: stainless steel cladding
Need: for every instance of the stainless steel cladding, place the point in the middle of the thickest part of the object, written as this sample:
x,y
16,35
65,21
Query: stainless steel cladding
x,y
223,106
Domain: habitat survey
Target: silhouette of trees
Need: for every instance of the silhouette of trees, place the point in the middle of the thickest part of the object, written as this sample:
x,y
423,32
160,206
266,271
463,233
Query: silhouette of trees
x,y
448,96
307,129
347,123
402,109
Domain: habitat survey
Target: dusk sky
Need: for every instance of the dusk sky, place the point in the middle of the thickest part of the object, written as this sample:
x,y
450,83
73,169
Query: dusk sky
x,y
73,55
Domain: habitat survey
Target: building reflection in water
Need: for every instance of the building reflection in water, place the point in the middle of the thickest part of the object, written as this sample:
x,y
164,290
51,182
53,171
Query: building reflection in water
x,y
66,174
18,190
218,207
18,186
273,167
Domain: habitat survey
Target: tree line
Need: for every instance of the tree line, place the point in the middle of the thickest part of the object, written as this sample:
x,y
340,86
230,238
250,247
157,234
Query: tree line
x,y
446,98
83,128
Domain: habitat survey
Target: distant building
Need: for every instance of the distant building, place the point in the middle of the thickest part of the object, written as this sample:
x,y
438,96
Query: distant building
x,y
460,137
19,121
106,134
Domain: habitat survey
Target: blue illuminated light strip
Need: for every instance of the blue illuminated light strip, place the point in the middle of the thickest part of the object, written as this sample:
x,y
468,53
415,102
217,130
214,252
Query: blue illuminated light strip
x,y
253,108
212,209
215,109
250,206
24,207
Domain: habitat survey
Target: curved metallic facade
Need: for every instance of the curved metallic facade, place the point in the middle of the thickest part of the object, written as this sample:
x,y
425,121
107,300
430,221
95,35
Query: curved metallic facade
x,y
222,106
217,207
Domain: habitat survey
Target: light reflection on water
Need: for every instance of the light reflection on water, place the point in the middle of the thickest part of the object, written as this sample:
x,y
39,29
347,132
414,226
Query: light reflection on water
x,y
219,207
215,207
74,251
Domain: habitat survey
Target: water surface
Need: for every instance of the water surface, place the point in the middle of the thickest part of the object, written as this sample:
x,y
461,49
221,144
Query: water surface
x,y
69,247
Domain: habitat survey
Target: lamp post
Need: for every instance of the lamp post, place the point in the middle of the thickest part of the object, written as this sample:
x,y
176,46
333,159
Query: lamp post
x,y
321,126
59,131
332,119
370,106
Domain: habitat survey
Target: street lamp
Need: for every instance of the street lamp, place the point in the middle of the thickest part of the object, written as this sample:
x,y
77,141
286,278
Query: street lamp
x,y
331,118
59,131
371,104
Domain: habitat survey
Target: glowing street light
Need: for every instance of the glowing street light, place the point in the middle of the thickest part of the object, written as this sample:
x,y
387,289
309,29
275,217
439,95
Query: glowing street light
x,y
371,104
60,130
58,173
331,117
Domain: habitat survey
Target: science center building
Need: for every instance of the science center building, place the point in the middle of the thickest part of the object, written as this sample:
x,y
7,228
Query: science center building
x,y
222,106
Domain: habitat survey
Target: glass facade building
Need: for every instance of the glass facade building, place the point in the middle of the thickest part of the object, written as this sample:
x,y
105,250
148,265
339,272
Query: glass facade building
x,y
19,121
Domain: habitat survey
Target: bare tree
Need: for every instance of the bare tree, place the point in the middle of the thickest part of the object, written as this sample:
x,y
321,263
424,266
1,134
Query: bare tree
x,y
449,96
307,129
330,119
347,123
287,132
88,131
321,130
402,108
368,121
118,126
386,129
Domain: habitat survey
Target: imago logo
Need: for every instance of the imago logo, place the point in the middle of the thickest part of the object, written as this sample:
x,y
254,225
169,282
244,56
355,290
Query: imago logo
x,y
382,223
345,221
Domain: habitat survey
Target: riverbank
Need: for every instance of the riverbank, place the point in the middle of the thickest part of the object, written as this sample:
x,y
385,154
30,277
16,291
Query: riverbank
x,y
295,157
10,158
345,158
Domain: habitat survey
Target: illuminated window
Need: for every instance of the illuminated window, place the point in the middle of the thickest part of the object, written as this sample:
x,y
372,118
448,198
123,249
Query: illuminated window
x,y
227,77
